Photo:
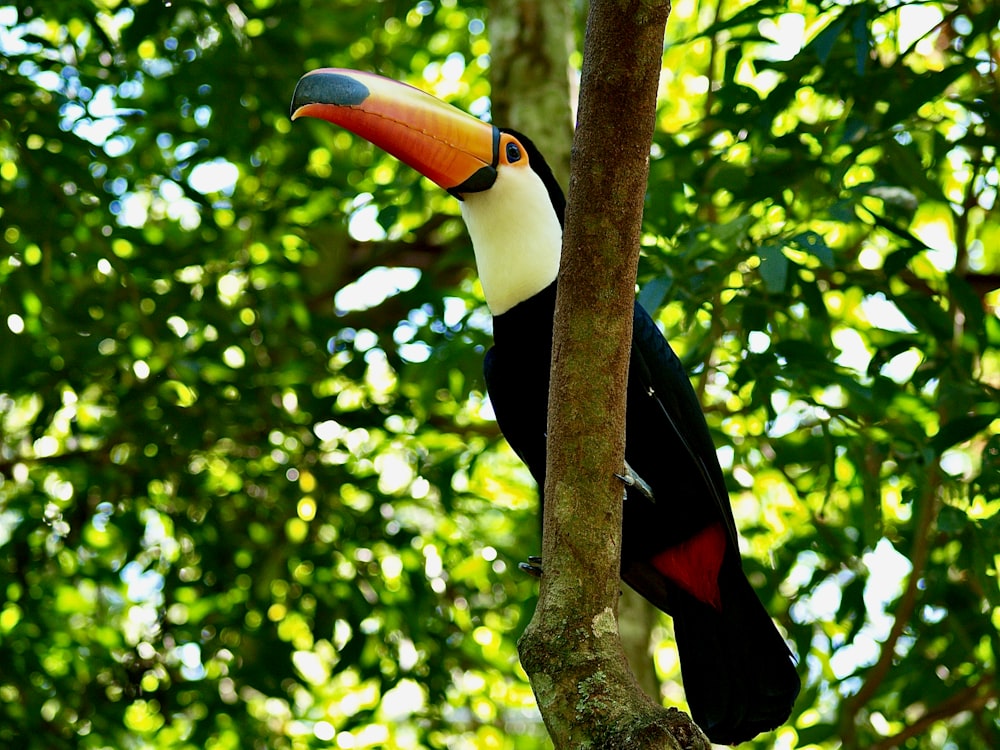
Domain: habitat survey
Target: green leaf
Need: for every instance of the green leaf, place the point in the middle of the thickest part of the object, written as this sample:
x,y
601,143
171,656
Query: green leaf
x,y
814,244
823,43
927,87
773,267
862,41
951,520
653,293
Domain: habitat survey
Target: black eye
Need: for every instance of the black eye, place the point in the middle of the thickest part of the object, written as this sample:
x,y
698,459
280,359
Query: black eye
x,y
513,153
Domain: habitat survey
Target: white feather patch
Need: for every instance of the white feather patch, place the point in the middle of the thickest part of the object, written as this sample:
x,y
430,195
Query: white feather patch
x,y
516,237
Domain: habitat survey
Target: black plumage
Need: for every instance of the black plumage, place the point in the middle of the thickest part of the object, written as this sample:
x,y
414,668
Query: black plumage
x,y
739,676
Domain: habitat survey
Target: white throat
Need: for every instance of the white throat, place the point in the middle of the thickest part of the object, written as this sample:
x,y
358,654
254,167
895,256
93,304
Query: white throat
x,y
516,237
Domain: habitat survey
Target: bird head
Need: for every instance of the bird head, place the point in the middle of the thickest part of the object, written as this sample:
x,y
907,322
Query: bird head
x,y
511,203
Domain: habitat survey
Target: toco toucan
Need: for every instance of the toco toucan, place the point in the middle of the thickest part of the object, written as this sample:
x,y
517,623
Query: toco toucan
x,y
680,549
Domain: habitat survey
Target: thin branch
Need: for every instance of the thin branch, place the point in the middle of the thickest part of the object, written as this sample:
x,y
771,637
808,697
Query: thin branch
x,y
970,699
919,554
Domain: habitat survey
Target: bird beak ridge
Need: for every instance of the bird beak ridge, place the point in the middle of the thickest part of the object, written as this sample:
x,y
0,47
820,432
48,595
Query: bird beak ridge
x,y
454,149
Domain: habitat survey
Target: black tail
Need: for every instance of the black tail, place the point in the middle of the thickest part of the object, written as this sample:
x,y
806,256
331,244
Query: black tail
x,y
739,677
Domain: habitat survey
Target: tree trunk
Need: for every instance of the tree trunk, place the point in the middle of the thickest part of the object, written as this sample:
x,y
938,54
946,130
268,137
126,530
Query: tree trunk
x,y
530,43
571,649
533,91
636,618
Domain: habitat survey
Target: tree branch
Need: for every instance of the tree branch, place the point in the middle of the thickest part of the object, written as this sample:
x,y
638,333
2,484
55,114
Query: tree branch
x,y
571,649
922,535
971,698
531,91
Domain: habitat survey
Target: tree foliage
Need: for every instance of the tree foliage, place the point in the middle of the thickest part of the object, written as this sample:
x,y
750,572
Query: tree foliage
x,y
251,491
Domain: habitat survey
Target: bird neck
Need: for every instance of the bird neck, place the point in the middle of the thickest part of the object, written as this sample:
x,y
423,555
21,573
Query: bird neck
x,y
517,238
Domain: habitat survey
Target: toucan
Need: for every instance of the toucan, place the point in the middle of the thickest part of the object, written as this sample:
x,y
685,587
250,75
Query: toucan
x,y
680,548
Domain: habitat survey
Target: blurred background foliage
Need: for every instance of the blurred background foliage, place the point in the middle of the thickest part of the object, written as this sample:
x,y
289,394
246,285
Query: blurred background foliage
x,y
251,492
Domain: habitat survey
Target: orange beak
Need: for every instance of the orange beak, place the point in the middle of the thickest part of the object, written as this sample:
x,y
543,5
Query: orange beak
x,y
446,145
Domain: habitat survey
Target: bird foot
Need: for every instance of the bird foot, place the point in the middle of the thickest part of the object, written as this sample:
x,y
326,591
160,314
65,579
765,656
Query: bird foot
x,y
633,480
533,567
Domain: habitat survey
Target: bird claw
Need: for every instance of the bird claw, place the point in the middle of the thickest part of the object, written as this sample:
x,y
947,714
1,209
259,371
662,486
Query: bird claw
x,y
533,567
633,480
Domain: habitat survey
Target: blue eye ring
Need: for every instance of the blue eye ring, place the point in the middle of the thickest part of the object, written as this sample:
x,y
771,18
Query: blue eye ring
x,y
512,152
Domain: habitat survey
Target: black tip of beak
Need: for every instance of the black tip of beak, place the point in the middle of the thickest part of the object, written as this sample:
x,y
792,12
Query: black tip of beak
x,y
328,88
